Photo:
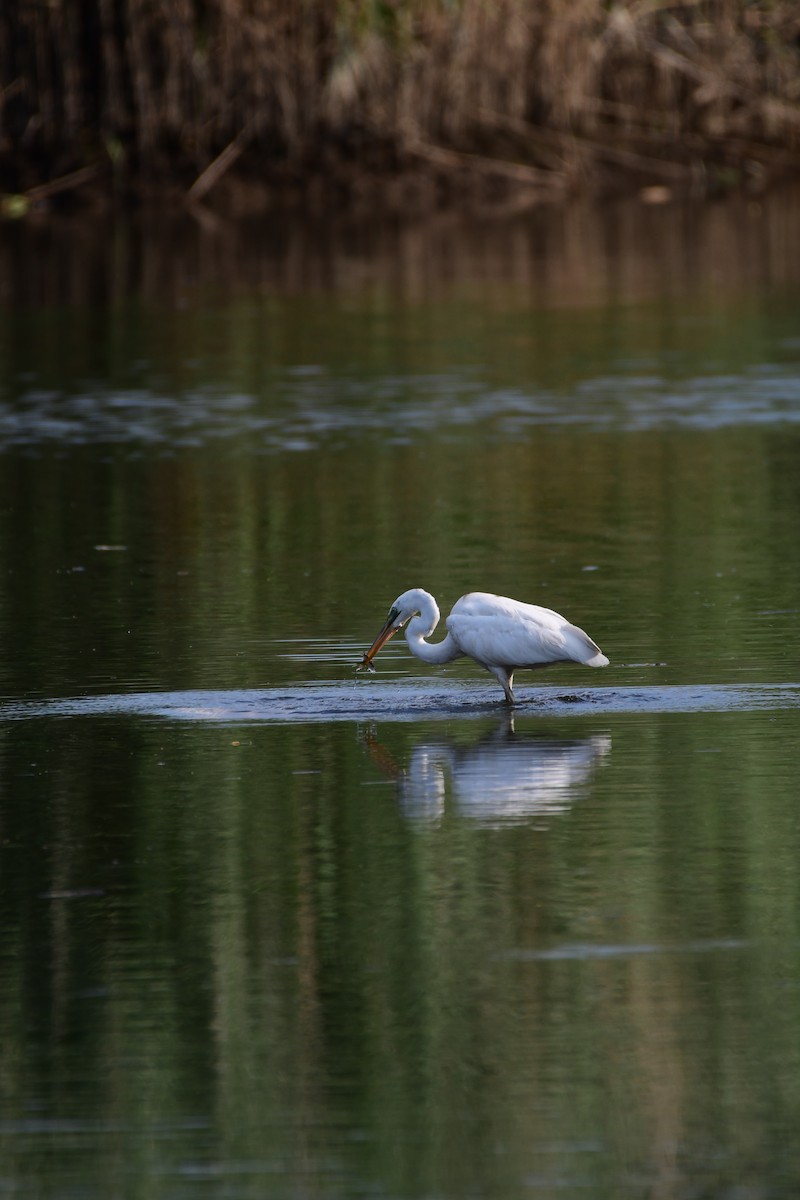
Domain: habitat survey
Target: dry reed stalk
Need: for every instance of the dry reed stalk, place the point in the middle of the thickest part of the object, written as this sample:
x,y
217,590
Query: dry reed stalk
x,y
459,161
216,169
64,183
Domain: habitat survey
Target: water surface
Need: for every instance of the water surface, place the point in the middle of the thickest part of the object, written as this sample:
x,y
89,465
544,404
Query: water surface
x,y
267,928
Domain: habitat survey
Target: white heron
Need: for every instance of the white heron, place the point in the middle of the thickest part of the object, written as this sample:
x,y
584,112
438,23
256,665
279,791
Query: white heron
x,y
501,635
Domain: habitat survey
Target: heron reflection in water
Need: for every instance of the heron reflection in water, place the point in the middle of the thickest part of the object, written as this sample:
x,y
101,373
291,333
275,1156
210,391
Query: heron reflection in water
x,y
500,780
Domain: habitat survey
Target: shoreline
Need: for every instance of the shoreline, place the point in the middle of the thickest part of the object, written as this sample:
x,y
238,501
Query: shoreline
x,y
436,179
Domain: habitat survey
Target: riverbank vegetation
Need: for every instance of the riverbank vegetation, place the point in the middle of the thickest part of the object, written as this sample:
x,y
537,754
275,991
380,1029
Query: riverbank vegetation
x,y
415,102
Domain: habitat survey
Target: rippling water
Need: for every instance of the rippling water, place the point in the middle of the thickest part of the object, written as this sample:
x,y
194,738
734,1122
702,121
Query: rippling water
x,y
314,406
397,702
269,928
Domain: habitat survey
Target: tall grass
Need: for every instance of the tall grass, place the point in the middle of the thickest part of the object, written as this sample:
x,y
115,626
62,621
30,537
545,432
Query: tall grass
x,y
548,93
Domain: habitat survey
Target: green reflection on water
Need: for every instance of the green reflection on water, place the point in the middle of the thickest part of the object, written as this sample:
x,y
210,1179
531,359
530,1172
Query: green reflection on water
x,y
677,548
234,953
428,958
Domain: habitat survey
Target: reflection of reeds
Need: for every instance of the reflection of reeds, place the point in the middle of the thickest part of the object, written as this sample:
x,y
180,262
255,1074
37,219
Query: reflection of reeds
x,y
577,255
537,91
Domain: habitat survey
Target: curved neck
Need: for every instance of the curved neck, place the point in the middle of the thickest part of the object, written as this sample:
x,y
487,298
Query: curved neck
x,y
423,626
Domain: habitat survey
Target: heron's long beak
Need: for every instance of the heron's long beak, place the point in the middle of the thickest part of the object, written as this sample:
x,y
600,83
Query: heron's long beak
x,y
389,630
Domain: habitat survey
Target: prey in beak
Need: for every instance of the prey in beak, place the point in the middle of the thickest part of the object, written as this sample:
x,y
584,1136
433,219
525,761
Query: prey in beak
x,y
388,631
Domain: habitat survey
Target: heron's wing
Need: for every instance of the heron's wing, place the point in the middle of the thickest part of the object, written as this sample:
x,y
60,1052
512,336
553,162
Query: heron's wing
x,y
501,640
499,631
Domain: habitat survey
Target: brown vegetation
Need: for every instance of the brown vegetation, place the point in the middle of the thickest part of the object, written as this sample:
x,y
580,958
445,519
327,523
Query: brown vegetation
x,y
441,95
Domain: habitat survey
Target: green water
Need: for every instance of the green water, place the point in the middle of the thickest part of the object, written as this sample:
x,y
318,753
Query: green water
x,y
267,929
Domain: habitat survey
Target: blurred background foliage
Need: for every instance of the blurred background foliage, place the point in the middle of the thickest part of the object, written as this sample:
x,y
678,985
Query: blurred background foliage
x,y
416,102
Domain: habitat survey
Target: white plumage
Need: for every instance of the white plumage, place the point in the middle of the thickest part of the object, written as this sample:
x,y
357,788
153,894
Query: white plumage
x,y
500,634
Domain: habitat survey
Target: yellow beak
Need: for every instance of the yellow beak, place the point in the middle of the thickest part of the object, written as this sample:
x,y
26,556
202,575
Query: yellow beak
x,y
388,631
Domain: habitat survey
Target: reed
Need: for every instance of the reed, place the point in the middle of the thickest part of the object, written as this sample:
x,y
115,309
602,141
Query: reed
x,y
544,94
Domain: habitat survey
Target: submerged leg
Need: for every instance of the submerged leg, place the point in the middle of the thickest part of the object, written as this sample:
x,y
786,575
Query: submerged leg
x,y
505,679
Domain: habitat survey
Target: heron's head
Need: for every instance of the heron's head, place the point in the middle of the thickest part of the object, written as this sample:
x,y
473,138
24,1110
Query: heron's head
x,y
410,604
413,603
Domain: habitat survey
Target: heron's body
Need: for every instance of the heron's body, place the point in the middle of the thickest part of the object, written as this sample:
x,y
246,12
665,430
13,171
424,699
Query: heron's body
x,y
500,634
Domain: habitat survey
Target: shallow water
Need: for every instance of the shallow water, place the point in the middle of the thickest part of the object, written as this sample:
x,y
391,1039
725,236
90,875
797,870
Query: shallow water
x,y
412,701
271,928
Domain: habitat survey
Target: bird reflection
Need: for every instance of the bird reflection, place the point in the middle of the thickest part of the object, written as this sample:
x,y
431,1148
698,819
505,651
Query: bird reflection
x,y
503,779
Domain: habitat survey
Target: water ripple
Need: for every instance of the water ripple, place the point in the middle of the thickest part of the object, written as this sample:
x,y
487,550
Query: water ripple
x,y
301,412
411,701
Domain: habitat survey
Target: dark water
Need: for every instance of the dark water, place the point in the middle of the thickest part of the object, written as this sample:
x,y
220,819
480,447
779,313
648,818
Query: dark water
x,y
272,929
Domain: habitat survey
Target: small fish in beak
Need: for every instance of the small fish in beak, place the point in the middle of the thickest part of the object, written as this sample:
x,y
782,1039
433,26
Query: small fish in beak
x,y
388,631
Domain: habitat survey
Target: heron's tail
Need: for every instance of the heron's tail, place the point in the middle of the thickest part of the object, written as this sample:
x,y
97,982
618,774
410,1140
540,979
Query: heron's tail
x,y
581,647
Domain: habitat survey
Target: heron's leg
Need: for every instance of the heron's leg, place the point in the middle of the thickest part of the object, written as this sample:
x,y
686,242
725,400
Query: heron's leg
x,y
505,679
